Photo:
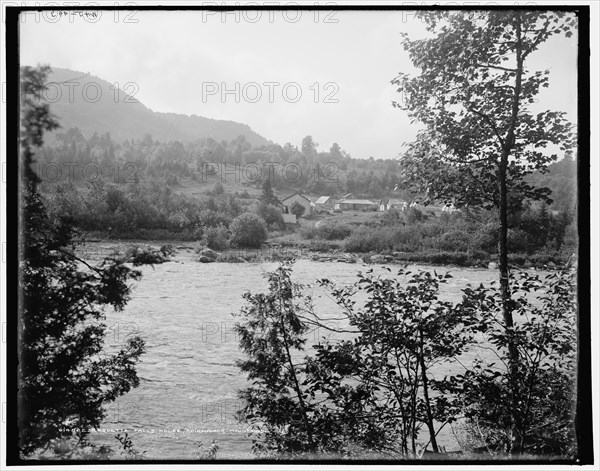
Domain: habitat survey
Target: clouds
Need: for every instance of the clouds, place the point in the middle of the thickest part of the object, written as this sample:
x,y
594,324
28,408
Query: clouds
x,y
170,55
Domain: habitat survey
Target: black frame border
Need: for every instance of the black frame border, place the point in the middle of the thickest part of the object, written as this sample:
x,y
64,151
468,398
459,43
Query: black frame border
x,y
584,412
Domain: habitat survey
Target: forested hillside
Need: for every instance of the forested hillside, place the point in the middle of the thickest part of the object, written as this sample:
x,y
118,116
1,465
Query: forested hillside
x,y
95,105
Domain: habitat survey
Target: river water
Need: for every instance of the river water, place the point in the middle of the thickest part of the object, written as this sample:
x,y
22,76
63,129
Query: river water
x,y
189,380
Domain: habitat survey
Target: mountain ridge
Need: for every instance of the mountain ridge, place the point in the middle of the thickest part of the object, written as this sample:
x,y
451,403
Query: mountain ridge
x,y
94,105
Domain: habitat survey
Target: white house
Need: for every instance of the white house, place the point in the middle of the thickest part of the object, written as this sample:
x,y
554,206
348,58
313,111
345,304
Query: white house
x,y
387,204
324,203
299,198
355,204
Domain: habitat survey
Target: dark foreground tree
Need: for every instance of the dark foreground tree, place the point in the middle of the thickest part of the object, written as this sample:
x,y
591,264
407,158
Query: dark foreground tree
x,y
474,94
64,377
372,393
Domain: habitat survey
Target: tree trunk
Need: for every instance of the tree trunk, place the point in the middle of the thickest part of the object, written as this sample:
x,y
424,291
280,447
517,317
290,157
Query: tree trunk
x,y
430,426
507,305
311,442
513,353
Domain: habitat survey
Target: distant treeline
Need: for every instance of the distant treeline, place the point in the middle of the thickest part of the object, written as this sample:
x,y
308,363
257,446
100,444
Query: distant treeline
x,y
288,167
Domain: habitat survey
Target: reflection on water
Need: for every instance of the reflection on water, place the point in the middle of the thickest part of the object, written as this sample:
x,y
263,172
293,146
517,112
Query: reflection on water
x,y
189,380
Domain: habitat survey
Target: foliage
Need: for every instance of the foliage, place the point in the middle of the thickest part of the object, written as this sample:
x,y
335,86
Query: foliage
x,y
129,211
481,139
327,231
128,449
271,335
403,330
544,384
271,215
147,255
248,231
64,377
217,238
297,209
268,197
218,189
477,102
206,453
368,393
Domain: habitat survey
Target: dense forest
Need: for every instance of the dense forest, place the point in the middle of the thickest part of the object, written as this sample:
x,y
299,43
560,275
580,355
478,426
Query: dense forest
x,y
72,157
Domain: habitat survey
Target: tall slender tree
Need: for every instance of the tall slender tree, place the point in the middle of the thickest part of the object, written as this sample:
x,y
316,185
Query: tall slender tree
x,y
481,138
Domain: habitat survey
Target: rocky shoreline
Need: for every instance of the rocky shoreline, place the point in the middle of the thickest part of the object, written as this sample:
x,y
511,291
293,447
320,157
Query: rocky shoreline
x,y
272,252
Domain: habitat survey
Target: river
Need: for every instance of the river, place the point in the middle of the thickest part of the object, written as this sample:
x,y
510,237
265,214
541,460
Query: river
x,y
189,381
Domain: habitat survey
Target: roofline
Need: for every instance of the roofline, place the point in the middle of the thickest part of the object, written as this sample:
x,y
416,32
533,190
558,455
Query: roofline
x,y
299,194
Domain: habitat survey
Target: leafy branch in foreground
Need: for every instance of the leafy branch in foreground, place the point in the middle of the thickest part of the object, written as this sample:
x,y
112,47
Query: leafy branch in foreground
x,y
545,334
404,331
369,394
379,388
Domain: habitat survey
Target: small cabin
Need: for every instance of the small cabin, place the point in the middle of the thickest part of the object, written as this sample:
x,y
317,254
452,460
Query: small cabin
x,y
355,205
299,198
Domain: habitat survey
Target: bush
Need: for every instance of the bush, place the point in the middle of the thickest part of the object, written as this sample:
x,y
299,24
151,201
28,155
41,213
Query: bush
x,y
248,230
309,233
414,215
333,231
455,240
217,238
366,239
218,189
545,331
271,215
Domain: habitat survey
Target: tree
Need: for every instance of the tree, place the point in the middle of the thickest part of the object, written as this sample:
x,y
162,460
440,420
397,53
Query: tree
x,y
248,230
367,393
271,335
481,139
545,335
64,377
297,209
403,330
271,215
267,196
309,147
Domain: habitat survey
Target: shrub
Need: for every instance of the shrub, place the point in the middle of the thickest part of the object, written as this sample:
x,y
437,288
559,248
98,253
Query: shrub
x,y
366,239
333,231
309,233
414,215
248,230
218,189
455,240
544,384
518,240
271,215
486,238
297,209
217,238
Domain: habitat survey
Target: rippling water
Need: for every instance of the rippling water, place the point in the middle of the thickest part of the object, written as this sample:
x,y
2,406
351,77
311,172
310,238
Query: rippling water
x,y
189,380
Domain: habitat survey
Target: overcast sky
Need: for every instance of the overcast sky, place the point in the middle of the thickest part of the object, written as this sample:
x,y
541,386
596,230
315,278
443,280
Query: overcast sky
x,y
179,61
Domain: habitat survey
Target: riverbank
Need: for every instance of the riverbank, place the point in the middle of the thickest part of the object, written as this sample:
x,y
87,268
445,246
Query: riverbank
x,y
97,249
